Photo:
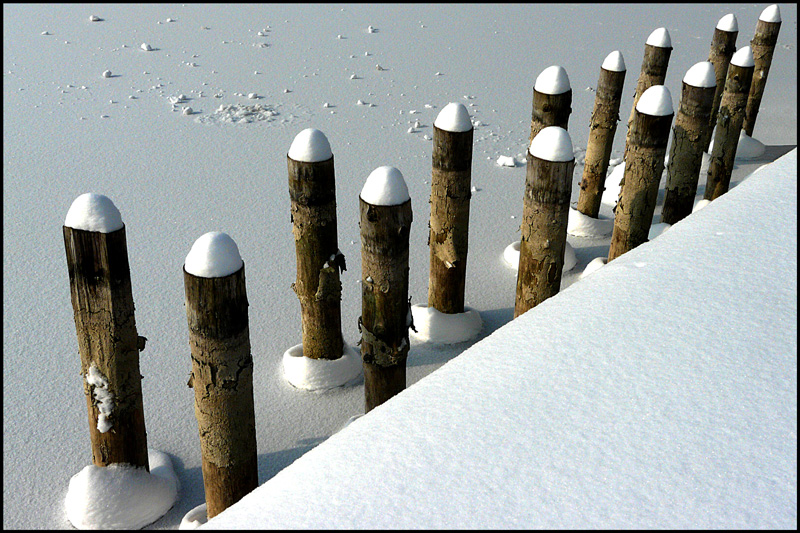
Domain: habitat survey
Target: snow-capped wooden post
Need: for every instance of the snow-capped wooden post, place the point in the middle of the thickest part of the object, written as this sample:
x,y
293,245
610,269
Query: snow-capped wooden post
x,y
644,164
602,128
688,135
222,369
450,194
102,302
548,186
385,221
312,190
552,100
729,123
657,50
762,46
723,46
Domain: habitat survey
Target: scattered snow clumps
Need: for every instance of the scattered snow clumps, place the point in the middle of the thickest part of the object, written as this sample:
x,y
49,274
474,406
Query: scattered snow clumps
x,y
454,117
93,212
385,186
728,23
656,101
552,80
104,398
701,75
743,57
310,146
552,144
660,38
771,14
320,374
214,255
614,62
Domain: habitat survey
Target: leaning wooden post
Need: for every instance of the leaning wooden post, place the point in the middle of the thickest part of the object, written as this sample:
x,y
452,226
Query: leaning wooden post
x,y
450,195
762,46
385,221
548,186
552,100
312,190
688,136
729,123
657,50
222,369
723,46
644,164
602,128
102,302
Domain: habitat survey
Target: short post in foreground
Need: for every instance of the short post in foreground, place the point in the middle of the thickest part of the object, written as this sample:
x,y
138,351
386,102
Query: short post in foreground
x,y
385,221
222,369
602,128
450,196
657,50
312,189
644,164
552,100
688,135
729,123
763,47
723,46
102,302
548,186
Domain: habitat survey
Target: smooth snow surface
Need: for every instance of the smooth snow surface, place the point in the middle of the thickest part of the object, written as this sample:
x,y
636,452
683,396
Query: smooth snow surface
x,y
454,117
554,144
442,328
655,101
93,212
511,256
660,38
320,374
771,14
385,186
581,225
120,496
310,146
728,23
213,255
743,57
552,80
701,75
614,62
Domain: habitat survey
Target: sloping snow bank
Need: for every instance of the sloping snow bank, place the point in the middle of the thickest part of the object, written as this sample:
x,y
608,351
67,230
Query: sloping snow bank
x,y
659,392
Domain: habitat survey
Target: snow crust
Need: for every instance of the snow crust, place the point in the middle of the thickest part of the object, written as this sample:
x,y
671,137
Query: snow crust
x,y
454,117
213,255
701,75
743,57
655,101
614,62
385,186
659,38
553,143
581,225
771,14
511,256
320,374
728,23
310,146
552,80
443,328
93,212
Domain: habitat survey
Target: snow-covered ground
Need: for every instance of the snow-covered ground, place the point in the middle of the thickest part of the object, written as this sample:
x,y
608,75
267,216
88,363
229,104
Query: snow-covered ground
x,y
183,116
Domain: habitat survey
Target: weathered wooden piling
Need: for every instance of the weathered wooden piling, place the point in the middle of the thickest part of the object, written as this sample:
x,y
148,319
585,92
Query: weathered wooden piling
x,y
763,47
102,302
552,100
657,50
723,46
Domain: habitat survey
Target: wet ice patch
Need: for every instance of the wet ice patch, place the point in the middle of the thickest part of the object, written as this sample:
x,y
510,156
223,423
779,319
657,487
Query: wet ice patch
x,y
240,114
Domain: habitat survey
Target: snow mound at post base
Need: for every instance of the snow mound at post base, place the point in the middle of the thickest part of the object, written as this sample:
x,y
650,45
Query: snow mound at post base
x,y
195,518
511,256
320,374
443,328
580,225
747,148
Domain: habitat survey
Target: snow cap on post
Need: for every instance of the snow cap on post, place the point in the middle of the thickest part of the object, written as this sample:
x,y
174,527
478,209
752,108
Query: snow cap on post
x,y
552,80
93,212
310,146
743,57
701,74
660,38
553,143
656,101
771,14
614,62
728,23
385,186
214,255
454,117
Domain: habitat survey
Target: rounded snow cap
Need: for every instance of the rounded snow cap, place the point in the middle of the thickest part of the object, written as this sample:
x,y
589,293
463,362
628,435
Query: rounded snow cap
x,y
743,57
701,74
385,186
655,101
214,255
310,146
614,62
771,14
728,23
93,212
660,38
454,117
552,80
552,144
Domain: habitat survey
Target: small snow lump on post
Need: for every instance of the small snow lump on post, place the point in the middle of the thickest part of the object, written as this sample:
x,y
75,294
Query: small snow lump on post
x,y
771,14
553,143
743,58
310,146
93,212
728,23
614,62
385,186
701,74
552,80
656,101
214,255
454,117
660,38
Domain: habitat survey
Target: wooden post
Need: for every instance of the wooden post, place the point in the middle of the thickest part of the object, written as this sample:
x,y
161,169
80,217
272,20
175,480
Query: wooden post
x,y
450,196
644,164
688,136
548,186
762,46
312,190
657,50
602,128
222,370
102,302
385,221
552,100
723,46
729,123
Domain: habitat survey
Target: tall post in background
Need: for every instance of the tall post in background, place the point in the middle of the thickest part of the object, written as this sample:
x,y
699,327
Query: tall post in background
x,y
763,47
723,46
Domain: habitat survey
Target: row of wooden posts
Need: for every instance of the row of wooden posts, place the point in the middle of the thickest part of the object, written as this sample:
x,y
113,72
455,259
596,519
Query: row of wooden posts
x,y
217,308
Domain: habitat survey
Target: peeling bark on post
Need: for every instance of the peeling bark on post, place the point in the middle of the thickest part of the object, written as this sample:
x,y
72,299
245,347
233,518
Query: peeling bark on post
x,y
222,379
686,152
654,72
644,164
102,302
449,223
548,186
385,308
723,46
763,47
729,125
602,128
549,110
313,213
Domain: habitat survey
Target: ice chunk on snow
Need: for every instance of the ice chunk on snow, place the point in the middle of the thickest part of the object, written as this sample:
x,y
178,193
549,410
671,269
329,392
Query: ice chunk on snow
x,y
93,212
506,161
614,62
655,101
743,57
511,256
310,146
581,225
443,328
728,23
771,14
701,75
454,117
660,38
552,144
214,255
552,80
146,47
320,374
106,73
385,186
